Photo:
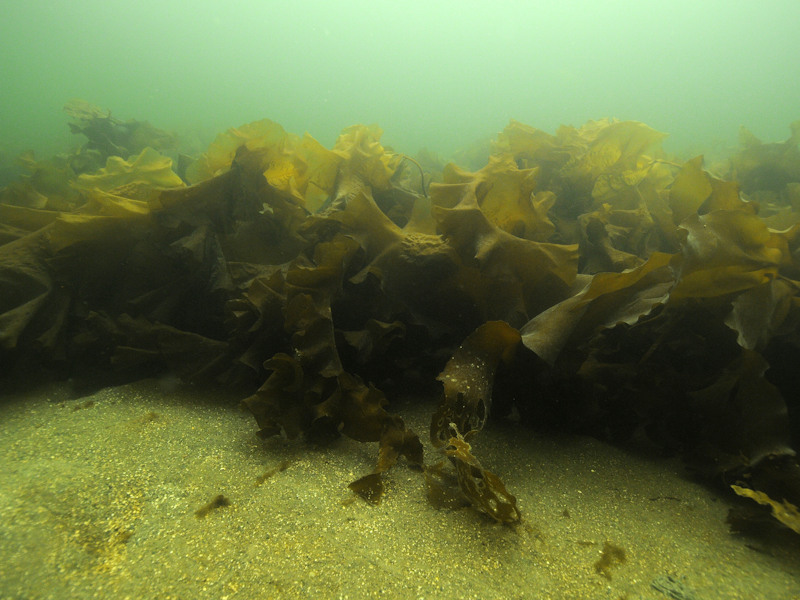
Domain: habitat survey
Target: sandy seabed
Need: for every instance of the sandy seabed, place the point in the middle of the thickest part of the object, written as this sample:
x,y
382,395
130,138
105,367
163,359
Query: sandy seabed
x,y
99,495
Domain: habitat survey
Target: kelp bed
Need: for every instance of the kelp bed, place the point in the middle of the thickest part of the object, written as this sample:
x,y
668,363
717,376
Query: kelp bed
x,y
577,281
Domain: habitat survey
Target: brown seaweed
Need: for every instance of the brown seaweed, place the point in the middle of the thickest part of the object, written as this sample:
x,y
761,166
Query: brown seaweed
x,y
108,136
610,557
651,297
465,406
484,490
467,379
217,502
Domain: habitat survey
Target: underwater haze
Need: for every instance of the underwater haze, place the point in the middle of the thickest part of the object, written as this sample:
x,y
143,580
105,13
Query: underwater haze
x,y
435,74
561,277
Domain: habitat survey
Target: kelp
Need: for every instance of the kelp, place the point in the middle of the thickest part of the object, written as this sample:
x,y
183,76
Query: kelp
x,y
761,168
785,512
484,490
47,184
604,192
769,174
108,136
582,279
465,406
467,379
148,167
524,276
505,194
300,169
608,299
55,183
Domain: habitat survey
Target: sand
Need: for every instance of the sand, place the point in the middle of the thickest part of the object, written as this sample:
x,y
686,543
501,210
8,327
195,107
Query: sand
x,y
99,494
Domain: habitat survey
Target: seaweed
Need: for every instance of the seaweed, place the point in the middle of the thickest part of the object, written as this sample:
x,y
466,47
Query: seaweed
x,y
467,379
442,488
217,502
785,512
611,556
280,468
485,491
466,403
582,279
108,136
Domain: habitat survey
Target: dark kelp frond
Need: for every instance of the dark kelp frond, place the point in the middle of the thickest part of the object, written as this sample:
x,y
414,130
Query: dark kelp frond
x,y
466,402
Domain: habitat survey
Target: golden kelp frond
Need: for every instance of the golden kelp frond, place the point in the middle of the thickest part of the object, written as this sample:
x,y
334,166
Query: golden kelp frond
x,y
189,355
108,204
278,212
85,111
21,193
357,410
367,224
278,405
28,287
457,186
395,441
644,184
691,188
608,299
416,270
106,256
219,156
724,252
696,191
505,194
320,172
300,169
375,339
49,184
24,219
632,218
304,291
522,277
601,146
149,167
310,392
106,214
599,168
365,158
71,229
784,217
107,136
527,145
604,234
788,242
310,288
785,512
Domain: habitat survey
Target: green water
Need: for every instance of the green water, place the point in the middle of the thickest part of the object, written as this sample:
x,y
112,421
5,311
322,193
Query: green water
x,y
436,74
